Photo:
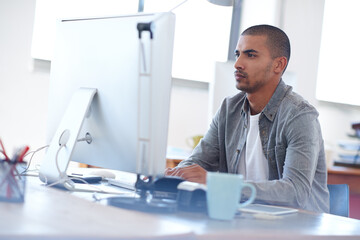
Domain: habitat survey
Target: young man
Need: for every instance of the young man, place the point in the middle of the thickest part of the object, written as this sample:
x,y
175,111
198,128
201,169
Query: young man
x,y
267,133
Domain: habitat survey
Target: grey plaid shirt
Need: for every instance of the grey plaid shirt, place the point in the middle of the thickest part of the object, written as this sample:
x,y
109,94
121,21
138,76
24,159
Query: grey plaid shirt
x,y
291,141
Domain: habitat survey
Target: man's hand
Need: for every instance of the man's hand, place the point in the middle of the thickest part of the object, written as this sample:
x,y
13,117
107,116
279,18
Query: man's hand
x,y
192,173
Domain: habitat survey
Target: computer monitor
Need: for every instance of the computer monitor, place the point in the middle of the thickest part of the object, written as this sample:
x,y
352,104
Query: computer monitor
x,y
110,85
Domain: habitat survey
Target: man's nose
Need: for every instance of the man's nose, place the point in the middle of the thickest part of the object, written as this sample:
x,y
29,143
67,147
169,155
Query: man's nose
x,y
238,63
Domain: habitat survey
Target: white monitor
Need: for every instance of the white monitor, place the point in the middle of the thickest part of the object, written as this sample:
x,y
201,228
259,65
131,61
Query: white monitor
x,y
124,77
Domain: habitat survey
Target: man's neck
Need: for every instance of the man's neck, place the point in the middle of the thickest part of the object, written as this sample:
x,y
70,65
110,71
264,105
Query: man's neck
x,y
259,99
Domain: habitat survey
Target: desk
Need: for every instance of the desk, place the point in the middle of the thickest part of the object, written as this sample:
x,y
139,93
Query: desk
x,y
49,213
350,176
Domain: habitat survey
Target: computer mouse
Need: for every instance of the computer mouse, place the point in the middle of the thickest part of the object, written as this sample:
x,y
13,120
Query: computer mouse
x,y
167,183
102,173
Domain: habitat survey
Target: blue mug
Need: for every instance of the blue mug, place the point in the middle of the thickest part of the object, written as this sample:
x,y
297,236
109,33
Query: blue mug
x,y
223,194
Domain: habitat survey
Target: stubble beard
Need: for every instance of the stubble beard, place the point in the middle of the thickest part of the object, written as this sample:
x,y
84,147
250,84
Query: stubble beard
x,y
247,86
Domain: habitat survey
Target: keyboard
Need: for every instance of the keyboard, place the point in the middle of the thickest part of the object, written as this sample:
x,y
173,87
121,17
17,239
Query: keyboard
x,y
127,183
79,187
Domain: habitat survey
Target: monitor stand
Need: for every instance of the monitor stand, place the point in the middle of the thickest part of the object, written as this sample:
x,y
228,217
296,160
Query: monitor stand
x,y
57,158
156,196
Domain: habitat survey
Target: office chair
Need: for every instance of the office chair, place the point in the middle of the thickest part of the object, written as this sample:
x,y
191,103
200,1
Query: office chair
x,y
339,199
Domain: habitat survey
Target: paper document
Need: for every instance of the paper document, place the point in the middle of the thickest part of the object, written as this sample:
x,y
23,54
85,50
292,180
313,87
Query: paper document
x,y
267,209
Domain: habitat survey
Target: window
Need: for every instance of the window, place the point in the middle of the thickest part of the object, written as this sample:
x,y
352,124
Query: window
x,y
48,11
201,34
338,73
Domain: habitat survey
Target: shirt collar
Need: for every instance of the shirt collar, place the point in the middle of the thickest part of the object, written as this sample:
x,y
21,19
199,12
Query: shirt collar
x,y
245,107
271,108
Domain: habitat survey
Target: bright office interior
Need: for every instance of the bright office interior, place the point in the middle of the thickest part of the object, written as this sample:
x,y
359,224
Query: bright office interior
x,y
204,75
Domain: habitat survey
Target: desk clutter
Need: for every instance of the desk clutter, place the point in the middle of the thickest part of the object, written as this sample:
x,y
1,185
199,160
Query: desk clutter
x,y
12,183
349,152
168,195
171,195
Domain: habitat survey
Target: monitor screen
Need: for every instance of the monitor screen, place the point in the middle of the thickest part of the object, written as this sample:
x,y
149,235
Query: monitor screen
x,y
127,63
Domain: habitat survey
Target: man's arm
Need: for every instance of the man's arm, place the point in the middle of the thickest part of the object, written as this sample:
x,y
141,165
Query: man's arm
x,y
304,144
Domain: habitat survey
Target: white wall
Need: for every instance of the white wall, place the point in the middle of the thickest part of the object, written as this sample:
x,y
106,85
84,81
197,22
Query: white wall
x,y
23,92
24,87
188,111
302,21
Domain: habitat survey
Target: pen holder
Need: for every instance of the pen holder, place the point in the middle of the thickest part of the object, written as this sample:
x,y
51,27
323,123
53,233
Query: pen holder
x,y
12,184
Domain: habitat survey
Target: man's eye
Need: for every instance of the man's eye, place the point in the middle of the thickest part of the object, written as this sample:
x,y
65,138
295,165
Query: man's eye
x,y
251,55
237,55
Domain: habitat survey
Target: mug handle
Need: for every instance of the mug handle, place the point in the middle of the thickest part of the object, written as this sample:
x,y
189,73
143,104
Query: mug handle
x,y
251,198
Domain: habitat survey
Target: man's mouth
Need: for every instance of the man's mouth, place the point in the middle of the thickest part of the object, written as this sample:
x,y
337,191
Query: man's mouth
x,y
239,75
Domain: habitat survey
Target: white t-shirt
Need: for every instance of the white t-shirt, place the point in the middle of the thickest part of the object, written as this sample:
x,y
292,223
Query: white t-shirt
x,y
253,164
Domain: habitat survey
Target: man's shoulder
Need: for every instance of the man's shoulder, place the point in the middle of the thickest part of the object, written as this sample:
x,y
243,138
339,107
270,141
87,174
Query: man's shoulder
x,y
296,100
295,104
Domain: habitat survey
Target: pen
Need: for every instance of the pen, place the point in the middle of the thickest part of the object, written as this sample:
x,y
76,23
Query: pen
x,y
19,154
3,150
22,154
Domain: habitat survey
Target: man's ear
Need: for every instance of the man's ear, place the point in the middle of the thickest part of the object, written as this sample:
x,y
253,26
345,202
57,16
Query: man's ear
x,y
280,64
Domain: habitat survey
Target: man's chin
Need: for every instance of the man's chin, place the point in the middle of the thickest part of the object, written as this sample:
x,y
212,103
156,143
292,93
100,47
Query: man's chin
x,y
244,89
241,88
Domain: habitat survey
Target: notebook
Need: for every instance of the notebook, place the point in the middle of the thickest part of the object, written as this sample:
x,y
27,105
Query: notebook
x,y
267,209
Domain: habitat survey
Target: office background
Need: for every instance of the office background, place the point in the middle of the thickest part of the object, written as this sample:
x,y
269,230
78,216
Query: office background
x,y
24,82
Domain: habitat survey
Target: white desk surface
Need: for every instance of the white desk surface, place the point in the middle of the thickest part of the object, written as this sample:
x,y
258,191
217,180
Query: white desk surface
x,y
48,213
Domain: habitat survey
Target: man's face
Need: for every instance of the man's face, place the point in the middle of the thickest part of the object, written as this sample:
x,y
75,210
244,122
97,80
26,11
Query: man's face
x,y
253,64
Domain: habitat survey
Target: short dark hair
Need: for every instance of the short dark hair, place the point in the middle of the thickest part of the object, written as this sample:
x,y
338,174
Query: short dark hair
x,y
277,40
